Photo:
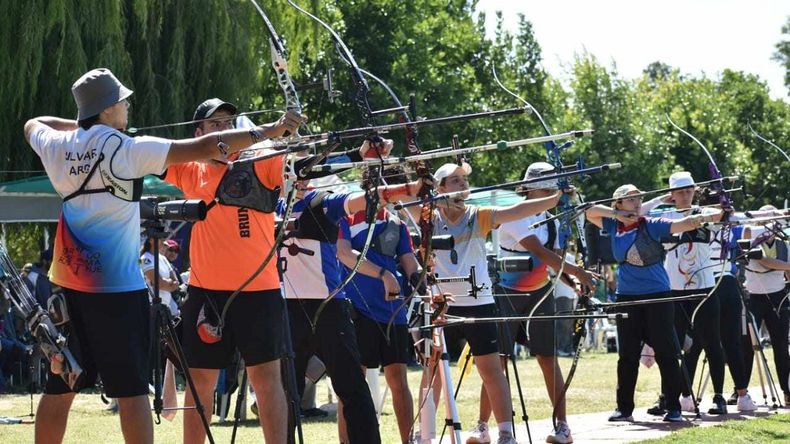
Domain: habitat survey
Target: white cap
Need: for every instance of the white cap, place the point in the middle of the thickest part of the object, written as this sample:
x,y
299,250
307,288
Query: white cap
x,y
448,169
624,190
536,170
681,179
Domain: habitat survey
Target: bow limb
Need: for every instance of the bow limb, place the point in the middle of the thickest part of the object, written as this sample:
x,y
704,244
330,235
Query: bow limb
x,y
290,185
426,214
280,67
579,334
756,134
363,106
724,201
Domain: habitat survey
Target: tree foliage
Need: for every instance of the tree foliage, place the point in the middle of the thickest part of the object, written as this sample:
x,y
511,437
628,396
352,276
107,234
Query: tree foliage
x,y
177,53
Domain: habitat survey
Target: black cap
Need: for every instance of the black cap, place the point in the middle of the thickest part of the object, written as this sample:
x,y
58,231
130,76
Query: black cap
x,y
210,106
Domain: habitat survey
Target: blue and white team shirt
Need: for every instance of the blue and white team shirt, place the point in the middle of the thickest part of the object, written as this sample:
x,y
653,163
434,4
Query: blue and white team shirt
x,y
365,292
312,269
690,265
98,237
634,279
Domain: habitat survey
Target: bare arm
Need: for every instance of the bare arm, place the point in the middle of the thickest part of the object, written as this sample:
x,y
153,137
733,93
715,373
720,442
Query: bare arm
x,y
597,213
654,202
164,283
524,209
532,244
391,193
774,264
208,146
348,257
693,222
55,123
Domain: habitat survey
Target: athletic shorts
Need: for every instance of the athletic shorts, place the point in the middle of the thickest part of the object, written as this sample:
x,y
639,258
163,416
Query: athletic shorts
x,y
482,338
541,333
110,338
254,326
375,350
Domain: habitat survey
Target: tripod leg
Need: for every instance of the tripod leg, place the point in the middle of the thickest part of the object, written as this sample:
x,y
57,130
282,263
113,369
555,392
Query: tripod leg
x,y
289,380
163,316
762,361
685,373
449,401
512,358
703,380
457,389
239,402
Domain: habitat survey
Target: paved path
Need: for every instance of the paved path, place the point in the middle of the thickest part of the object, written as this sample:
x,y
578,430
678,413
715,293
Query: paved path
x,y
595,427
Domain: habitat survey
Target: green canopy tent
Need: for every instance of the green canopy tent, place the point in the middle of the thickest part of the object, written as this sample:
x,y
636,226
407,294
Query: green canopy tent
x,y
35,200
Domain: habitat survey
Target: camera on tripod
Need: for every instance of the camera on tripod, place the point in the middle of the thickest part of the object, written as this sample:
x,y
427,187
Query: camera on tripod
x,y
746,252
151,208
514,264
441,242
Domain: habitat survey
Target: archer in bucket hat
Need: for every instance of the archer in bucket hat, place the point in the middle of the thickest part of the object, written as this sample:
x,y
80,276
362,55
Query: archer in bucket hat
x,y
98,170
637,245
97,90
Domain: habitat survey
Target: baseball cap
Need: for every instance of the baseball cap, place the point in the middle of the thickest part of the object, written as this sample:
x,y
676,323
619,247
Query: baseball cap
x,y
534,171
172,244
681,179
97,90
624,190
210,106
448,169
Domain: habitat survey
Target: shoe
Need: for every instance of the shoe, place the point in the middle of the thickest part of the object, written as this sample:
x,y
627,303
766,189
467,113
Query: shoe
x,y
687,404
719,406
113,407
506,438
673,416
479,434
254,408
561,435
733,399
619,416
746,403
314,413
660,408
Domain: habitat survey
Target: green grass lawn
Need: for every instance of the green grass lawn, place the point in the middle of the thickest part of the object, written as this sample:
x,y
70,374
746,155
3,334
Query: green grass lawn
x,y
592,390
772,429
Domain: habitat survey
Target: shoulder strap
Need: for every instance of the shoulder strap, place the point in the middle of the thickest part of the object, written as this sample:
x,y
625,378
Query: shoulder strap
x,y
552,236
81,190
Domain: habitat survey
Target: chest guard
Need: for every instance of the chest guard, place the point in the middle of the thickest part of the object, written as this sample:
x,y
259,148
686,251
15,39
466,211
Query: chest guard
x,y
240,187
386,243
129,190
776,251
313,223
645,251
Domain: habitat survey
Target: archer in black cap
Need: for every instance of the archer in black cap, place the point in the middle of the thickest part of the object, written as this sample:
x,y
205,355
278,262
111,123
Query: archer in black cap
x,y
206,109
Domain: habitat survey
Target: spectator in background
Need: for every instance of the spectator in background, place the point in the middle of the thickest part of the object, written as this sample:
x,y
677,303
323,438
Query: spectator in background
x,y
167,280
171,252
12,350
564,297
37,276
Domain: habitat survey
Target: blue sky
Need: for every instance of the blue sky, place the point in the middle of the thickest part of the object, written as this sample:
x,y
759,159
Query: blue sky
x,y
696,36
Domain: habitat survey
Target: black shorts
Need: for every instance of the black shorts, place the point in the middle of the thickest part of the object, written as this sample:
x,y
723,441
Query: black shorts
x,y
482,338
375,350
110,338
253,325
541,333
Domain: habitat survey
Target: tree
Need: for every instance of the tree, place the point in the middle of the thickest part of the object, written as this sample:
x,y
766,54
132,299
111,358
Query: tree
x,y
782,54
